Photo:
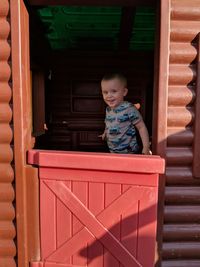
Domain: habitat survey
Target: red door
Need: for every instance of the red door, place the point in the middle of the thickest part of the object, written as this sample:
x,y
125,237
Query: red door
x,y
97,209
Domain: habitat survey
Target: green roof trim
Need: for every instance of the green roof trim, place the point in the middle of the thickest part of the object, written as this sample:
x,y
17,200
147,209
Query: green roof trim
x,y
95,28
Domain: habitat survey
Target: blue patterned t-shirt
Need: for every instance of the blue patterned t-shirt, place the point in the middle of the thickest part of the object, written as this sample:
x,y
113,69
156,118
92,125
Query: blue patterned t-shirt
x,y
120,130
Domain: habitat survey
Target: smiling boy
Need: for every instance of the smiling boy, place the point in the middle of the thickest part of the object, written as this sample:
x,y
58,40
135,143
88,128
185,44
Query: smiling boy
x,y
122,118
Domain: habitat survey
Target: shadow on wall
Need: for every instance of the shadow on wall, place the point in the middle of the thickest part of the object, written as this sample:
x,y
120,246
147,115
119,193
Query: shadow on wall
x,y
134,235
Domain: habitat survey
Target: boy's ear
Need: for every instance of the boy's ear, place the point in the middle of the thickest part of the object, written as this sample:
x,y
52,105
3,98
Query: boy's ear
x,y
125,91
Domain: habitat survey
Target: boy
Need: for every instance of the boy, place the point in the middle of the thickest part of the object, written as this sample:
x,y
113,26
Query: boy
x,y
122,118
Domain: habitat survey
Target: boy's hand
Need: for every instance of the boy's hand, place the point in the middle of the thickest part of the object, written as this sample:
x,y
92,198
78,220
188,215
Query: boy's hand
x,y
146,151
45,127
103,136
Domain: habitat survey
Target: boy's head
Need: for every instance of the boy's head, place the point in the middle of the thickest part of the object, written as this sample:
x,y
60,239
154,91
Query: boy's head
x,y
114,89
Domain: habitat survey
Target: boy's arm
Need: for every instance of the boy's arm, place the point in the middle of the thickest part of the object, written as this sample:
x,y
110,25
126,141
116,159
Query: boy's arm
x,y
144,137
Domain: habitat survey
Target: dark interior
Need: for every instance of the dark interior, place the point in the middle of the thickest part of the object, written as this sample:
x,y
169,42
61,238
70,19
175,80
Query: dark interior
x,y
71,48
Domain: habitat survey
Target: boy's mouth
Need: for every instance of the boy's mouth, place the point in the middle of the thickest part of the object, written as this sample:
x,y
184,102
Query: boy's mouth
x,y
110,102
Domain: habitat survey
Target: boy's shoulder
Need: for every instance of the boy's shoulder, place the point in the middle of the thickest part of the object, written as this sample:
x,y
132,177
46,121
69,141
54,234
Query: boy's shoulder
x,y
130,106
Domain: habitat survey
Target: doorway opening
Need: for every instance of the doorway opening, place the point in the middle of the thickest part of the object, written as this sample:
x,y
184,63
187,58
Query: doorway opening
x,y
72,47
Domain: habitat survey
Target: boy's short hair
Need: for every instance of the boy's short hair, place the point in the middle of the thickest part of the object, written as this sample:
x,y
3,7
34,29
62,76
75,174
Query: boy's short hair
x,y
119,76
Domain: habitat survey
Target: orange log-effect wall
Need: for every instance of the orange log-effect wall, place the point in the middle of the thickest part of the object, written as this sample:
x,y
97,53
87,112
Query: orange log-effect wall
x,y
181,229
7,211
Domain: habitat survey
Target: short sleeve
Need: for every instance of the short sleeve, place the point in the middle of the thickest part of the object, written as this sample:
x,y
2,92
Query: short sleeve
x,y
134,115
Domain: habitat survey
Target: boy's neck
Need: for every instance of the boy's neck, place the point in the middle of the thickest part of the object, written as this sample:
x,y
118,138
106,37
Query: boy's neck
x,y
117,105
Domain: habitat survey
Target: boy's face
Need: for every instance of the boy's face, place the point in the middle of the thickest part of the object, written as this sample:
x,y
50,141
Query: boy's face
x,y
113,92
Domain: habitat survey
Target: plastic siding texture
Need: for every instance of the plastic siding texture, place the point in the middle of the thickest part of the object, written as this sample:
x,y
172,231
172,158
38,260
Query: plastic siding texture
x,y
7,211
181,239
